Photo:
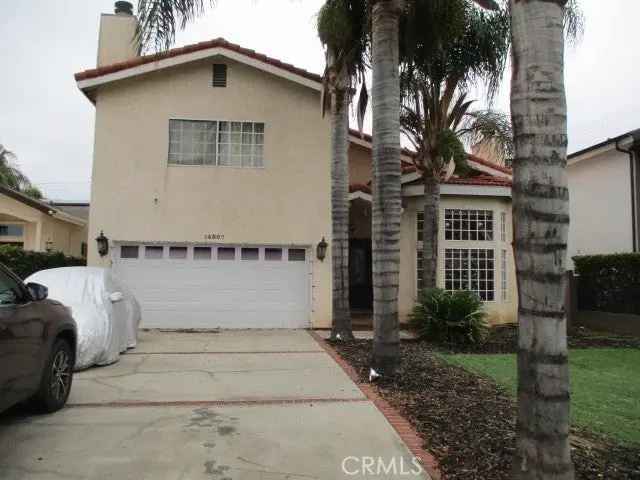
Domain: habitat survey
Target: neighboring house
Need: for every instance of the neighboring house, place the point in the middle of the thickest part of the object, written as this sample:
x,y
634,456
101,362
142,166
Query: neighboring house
x,y
211,180
39,226
604,191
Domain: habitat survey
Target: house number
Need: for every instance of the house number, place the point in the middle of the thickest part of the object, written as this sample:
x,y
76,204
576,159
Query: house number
x,y
213,236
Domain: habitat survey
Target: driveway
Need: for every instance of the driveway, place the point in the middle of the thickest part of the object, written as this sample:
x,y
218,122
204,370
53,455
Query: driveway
x,y
241,405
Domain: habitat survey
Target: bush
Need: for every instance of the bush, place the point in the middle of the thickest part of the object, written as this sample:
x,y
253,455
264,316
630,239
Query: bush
x,y
450,317
24,263
609,283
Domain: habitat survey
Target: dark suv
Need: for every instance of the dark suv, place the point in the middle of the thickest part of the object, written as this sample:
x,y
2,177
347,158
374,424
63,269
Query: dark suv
x,y
37,345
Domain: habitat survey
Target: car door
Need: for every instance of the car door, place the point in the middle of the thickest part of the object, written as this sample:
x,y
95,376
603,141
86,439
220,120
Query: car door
x,y
21,341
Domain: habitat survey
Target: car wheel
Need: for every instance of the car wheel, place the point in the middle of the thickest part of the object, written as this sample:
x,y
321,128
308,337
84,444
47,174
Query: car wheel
x,y
56,378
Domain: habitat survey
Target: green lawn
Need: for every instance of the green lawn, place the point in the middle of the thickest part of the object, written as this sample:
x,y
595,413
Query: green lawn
x,y
605,386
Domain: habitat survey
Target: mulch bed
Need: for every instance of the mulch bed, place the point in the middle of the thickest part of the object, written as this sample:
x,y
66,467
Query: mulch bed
x,y
504,339
468,422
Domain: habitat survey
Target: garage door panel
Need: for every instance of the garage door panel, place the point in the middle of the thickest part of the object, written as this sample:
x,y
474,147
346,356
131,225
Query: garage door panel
x,y
212,293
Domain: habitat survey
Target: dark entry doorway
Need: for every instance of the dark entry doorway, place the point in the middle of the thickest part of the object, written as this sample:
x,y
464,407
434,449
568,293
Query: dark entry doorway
x,y
360,285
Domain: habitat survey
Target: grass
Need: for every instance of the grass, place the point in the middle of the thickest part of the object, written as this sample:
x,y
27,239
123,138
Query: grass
x,y
605,387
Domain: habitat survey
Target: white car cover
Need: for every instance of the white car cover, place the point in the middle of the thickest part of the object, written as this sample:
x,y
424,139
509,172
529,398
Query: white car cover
x,y
105,310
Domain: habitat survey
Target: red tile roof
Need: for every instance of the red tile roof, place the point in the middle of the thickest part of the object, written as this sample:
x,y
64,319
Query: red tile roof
x,y
175,52
483,179
489,164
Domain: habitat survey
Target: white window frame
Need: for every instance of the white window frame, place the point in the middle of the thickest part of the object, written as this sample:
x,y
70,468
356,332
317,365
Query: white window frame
x,y
468,220
504,291
468,269
216,162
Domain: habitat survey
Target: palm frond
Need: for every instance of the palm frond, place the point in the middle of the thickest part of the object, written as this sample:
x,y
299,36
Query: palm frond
x,y
12,177
489,127
573,21
159,20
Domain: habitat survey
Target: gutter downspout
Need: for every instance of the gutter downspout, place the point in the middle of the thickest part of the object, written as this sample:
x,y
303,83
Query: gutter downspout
x,y
632,173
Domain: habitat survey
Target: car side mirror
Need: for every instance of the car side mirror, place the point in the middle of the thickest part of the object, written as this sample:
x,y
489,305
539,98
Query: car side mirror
x,y
115,297
38,292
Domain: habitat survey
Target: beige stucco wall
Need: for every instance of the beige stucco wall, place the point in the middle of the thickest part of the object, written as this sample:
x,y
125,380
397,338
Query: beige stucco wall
x,y
116,38
359,164
56,234
498,311
600,205
137,196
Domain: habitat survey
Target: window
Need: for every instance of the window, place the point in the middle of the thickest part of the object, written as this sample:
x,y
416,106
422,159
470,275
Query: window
x,y
10,291
240,144
273,254
503,226
420,225
129,251
11,230
178,253
419,269
470,269
219,75
296,254
153,251
202,253
232,144
503,276
468,224
226,253
192,142
249,254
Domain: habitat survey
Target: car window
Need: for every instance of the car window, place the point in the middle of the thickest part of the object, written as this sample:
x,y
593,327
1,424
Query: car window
x,y
10,291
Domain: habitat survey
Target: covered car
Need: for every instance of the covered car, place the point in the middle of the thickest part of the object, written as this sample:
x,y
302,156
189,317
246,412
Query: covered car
x,y
106,312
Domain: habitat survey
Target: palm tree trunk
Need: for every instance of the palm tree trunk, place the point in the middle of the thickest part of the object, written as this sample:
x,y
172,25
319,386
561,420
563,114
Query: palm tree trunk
x,y
341,329
541,222
386,208
430,230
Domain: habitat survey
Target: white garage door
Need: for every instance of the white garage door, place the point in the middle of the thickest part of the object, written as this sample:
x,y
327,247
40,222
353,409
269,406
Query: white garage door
x,y
217,286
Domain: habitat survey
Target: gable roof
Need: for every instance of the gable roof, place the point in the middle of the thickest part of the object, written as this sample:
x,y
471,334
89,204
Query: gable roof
x,y
41,206
89,79
632,137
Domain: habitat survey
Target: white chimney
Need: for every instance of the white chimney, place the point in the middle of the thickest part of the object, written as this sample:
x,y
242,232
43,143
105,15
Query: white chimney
x,y
116,42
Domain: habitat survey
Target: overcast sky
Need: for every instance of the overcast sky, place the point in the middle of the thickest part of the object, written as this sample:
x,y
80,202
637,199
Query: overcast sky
x,y
48,123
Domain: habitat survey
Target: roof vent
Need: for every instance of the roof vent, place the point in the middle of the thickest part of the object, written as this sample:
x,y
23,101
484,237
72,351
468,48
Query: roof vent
x,y
219,75
124,8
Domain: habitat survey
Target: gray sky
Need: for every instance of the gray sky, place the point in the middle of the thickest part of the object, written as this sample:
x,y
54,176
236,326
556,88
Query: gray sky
x,y
48,123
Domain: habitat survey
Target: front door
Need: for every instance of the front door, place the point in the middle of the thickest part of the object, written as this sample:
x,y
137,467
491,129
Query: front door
x,y
360,285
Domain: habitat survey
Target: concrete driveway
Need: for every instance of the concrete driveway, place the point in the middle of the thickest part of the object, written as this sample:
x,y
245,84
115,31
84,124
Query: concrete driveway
x,y
241,405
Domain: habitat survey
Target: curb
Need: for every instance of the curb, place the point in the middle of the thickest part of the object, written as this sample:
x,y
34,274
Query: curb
x,y
400,424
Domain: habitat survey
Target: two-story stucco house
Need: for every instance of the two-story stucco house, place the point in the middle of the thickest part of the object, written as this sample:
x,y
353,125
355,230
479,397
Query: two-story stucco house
x,y
211,180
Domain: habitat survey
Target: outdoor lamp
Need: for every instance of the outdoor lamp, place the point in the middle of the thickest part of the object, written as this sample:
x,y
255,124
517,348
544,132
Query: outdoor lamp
x,y
321,249
103,244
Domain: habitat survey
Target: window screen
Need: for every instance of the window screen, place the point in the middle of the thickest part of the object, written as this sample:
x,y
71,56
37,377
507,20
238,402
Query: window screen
x,y
249,254
240,144
178,252
273,254
192,142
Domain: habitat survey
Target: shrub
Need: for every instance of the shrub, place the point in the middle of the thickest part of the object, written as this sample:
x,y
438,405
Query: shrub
x,y
609,283
23,263
450,317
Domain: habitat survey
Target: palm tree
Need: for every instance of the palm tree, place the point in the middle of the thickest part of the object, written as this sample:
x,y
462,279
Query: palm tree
x,y
541,223
465,46
12,177
341,28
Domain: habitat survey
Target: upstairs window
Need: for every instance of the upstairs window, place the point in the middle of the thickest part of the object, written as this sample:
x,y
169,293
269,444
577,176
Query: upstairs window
x,y
219,75
232,144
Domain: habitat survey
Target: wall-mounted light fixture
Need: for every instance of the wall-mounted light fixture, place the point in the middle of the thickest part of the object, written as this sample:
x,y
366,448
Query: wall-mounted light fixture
x,y
103,244
321,249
